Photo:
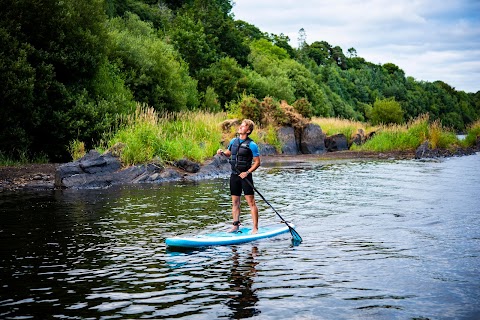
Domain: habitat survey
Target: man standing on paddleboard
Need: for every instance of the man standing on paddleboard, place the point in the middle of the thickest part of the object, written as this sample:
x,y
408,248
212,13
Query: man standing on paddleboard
x,y
244,159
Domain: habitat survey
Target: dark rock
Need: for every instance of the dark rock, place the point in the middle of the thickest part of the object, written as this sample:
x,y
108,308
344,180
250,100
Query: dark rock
x,y
423,150
91,171
359,137
312,139
102,171
336,142
93,162
286,135
187,165
370,135
216,167
267,149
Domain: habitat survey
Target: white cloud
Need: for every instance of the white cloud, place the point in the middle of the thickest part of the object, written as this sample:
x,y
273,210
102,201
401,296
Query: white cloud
x,y
429,39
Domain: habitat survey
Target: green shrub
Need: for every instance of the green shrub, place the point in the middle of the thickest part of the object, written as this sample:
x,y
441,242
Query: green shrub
x,y
473,131
169,137
304,107
76,149
386,111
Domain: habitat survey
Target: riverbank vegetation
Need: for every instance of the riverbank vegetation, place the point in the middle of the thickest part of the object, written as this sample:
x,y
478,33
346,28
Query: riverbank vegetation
x,y
73,73
147,136
165,138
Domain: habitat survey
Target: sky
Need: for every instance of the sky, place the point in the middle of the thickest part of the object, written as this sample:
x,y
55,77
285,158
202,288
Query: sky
x,y
428,39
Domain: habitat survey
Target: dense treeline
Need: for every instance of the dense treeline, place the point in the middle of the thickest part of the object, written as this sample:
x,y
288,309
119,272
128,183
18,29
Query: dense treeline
x,y
69,68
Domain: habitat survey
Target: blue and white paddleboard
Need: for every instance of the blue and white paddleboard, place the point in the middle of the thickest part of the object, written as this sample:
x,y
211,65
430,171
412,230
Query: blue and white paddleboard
x,y
226,238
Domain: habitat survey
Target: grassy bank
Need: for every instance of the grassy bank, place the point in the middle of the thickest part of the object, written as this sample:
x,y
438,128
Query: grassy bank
x,y
400,137
147,135
165,138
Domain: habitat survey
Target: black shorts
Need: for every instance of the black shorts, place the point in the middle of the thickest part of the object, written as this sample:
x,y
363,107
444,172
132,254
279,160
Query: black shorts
x,y
238,184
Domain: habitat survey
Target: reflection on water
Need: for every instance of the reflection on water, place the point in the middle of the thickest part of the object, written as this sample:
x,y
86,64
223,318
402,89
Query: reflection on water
x,y
241,282
382,240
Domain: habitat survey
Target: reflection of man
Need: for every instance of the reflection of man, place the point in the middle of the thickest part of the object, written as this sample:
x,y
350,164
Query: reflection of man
x,y
241,280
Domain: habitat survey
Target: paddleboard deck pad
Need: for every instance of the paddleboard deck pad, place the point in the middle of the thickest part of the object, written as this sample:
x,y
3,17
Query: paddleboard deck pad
x,y
224,238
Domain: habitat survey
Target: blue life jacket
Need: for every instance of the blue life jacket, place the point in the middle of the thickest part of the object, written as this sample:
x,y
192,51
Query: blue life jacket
x,y
242,156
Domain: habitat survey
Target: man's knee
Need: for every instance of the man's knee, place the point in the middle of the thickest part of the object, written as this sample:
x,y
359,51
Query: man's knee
x,y
250,200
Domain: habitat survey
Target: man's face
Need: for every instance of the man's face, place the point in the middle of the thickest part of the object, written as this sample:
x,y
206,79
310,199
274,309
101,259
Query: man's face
x,y
243,129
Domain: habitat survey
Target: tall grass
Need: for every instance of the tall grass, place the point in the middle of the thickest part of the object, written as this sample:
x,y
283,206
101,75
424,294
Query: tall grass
x,y
76,148
396,137
473,131
410,136
267,135
22,159
332,126
147,135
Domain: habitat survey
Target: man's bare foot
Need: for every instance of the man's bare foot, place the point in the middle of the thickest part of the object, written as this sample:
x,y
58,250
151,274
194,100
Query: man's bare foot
x,y
254,231
233,229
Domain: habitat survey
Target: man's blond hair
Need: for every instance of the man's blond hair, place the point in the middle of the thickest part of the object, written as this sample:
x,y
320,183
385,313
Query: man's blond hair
x,y
249,124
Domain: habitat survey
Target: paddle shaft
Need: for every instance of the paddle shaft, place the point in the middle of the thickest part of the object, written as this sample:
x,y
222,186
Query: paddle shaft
x,y
261,196
294,233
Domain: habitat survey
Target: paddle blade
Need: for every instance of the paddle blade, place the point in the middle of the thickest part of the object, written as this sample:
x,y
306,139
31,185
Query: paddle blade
x,y
295,236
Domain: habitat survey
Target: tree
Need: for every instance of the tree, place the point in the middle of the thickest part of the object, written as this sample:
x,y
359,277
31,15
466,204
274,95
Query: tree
x,y
227,79
302,39
249,31
153,70
338,57
282,41
352,52
191,41
51,50
219,28
386,111
320,52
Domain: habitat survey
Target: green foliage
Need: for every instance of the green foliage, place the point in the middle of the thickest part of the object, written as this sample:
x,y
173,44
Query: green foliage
x,y
304,107
189,38
50,52
170,137
324,54
281,41
250,108
220,28
70,69
266,48
386,111
410,136
331,126
249,31
77,149
153,70
226,77
210,101
473,133
155,12
271,138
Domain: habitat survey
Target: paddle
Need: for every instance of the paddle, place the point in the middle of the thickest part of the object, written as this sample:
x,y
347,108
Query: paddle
x,y
295,236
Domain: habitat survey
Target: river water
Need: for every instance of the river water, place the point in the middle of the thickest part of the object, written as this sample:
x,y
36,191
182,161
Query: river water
x,y
393,239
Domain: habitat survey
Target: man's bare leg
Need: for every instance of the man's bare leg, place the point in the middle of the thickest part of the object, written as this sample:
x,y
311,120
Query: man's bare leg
x,y
235,212
253,211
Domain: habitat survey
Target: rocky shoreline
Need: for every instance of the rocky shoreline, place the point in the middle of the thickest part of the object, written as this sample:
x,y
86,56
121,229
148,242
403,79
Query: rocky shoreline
x,y
101,171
